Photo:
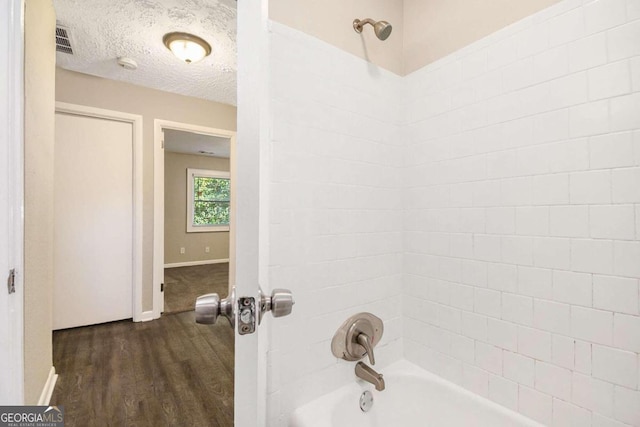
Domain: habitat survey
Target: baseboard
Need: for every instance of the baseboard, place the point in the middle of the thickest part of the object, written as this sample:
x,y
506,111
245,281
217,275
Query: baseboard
x,y
192,263
146,316
47,391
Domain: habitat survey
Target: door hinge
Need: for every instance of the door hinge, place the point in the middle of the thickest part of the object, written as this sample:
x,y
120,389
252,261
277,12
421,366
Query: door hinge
x,y
162,144
11,281
161,287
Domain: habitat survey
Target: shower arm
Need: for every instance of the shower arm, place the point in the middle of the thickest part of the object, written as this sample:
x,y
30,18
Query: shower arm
x,y
358,24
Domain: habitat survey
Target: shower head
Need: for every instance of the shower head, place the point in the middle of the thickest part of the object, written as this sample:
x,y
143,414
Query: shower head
x,y
381,28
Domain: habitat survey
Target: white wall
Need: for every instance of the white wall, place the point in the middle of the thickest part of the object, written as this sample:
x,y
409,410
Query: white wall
x,y
39,124
423,31
175,212
433,29
332,21
335,227
522,215
83,89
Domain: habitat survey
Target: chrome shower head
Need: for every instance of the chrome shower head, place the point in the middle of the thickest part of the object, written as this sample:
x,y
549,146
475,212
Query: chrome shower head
x,y
381,28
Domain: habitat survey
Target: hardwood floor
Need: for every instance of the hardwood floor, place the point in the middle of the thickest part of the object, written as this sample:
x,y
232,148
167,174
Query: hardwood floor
x,y
167,372
182,285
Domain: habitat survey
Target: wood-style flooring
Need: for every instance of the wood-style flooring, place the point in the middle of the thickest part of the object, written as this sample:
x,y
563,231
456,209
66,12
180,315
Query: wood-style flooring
x,y
182,285
167,372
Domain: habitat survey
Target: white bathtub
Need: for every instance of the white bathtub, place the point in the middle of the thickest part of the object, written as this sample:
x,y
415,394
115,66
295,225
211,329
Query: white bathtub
x,y
413,397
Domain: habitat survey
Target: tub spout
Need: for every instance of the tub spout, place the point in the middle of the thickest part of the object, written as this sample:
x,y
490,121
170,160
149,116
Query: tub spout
x,y
369,375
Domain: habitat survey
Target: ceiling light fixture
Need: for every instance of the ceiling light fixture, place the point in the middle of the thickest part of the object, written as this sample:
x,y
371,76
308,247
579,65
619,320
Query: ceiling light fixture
x,y
187,47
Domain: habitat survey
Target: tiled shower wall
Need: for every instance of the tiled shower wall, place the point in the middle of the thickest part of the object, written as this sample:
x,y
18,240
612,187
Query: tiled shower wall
x,y
335,223
522,215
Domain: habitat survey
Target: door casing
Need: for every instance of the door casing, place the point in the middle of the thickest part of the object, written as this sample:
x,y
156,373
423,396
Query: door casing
x,y
158,202
12,201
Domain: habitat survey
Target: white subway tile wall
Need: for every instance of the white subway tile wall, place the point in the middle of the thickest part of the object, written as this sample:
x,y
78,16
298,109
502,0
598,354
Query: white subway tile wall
x,y
487,207
534,153
335,219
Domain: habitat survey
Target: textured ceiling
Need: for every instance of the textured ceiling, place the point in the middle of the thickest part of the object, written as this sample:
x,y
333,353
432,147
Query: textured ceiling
x,y
103,30
177,141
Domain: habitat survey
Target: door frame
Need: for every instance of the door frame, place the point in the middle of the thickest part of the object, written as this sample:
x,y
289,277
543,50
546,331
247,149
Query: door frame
x,y
12,209
158,201
136,239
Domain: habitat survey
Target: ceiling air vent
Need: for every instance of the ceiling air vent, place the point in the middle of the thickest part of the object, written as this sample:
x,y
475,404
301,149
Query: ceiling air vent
x,y
63,40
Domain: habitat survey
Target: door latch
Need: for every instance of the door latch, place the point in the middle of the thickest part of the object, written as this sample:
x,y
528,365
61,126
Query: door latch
x,y
246,315
11,281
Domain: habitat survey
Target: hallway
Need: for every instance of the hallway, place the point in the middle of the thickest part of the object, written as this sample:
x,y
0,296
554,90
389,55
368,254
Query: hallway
x,y
168,372
182,285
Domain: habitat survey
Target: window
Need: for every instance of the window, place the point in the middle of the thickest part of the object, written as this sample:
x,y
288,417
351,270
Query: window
x,y
208,200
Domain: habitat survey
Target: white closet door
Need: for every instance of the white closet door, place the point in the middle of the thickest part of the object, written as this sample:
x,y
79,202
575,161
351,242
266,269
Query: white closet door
x,y
93,216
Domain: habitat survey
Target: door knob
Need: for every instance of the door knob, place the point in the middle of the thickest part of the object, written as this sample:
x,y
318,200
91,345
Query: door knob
x,y
280,303
209,307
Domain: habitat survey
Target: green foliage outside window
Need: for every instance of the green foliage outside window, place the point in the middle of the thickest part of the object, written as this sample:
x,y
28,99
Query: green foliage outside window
x,y
210,201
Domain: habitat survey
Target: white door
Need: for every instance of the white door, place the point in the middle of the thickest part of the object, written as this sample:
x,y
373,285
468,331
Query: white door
x,y
251,237
93,221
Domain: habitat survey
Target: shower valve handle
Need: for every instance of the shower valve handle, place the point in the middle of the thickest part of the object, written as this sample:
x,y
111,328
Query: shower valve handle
x,y
357,337
364,341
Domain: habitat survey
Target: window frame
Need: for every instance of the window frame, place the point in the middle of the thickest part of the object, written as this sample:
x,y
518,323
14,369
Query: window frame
x,y
204,173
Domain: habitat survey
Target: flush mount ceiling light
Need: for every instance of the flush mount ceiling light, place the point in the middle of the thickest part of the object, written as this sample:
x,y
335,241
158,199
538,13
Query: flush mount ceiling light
x,y
187,47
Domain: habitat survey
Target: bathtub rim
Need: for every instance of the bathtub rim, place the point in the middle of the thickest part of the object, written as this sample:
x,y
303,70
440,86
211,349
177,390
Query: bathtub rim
x,y
300,416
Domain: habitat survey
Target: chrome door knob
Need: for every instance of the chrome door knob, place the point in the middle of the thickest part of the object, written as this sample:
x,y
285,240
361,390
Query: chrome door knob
x,y
281,302
210,306
207,309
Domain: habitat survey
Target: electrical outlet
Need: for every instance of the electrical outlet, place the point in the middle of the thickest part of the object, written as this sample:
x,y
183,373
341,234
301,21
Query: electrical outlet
x,y
182,251
207,249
